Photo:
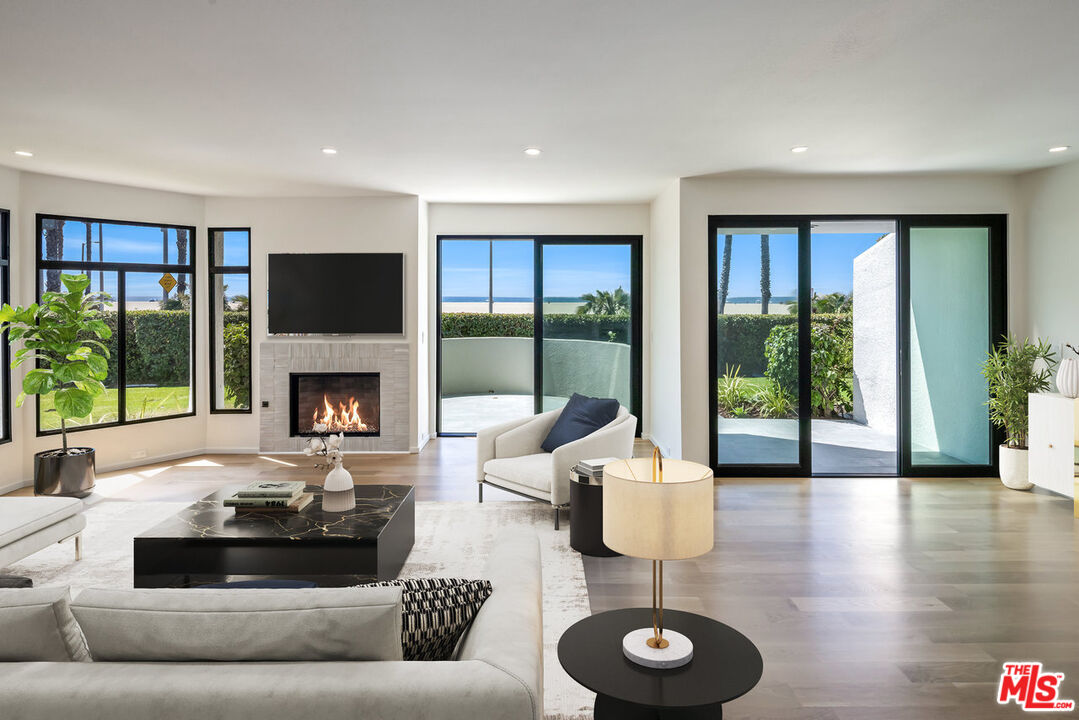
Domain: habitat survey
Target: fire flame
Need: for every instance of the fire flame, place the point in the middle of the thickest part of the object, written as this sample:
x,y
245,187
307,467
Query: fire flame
x,y
344,419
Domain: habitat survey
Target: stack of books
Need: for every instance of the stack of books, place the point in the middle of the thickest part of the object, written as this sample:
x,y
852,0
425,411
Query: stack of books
x,y
263,496
593,469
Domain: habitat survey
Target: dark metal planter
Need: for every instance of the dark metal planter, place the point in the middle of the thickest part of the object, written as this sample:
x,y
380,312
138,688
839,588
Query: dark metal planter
x,y
70,475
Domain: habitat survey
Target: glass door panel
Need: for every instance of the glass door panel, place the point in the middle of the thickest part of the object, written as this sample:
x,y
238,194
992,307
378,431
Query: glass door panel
x,y
587,304
950,319
853,369
757,349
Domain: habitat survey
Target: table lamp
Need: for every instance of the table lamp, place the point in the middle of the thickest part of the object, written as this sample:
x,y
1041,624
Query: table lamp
x,y
657,510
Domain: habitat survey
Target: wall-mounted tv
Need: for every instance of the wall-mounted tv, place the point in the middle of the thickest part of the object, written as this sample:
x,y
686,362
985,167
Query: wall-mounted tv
x,y
339,293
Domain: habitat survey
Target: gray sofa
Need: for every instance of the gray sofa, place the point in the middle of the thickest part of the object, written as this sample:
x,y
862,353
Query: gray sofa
x,y
29,524
497,674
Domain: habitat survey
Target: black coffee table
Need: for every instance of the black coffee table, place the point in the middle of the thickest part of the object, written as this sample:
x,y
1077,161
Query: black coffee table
x,y
725,666
209,543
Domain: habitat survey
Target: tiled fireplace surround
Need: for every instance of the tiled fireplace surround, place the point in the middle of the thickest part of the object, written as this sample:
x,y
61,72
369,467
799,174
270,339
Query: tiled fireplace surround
x,y
278,359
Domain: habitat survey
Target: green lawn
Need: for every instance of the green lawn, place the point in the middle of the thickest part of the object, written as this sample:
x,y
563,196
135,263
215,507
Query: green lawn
x,y
142,402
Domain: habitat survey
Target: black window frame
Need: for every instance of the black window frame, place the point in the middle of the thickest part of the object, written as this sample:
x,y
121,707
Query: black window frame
x,y
121,270
213,270
6,435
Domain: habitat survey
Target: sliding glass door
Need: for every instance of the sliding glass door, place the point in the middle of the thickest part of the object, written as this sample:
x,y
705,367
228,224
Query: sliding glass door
x,y
525,322
850,345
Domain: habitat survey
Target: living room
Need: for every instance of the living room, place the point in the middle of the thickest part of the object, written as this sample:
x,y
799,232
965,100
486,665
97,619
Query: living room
x,y
811,260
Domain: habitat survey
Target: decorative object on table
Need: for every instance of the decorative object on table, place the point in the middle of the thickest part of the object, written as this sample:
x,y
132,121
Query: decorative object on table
x,y
593,469
70,367
1012,372
586,519
337,489
435,613
281,496
1068,373
658,511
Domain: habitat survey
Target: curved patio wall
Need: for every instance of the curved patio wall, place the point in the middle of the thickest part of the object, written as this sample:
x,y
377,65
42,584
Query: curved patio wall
x,y
493,365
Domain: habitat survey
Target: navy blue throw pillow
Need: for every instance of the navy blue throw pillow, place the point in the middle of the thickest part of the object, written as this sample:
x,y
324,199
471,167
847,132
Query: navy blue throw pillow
x,y
581,417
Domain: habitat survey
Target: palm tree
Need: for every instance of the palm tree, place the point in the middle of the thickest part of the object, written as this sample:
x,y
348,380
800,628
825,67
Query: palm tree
x,y
605,302
181,259
766,275
53,230
725,273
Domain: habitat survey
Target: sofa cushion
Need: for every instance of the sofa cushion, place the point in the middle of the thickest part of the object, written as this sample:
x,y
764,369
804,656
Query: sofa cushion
x,y
436,613
532,471
242,625
37,625
581,417
21,516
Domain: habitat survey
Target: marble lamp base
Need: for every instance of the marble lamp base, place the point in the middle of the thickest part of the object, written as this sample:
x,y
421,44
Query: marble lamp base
x,y
678,652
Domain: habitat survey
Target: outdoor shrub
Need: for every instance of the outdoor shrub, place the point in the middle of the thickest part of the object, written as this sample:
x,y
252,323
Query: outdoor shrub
x,y
611,328
772,401
740,340
734,392
237,359
831,363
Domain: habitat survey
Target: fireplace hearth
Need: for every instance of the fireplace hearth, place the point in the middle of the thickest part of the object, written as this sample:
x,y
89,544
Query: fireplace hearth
x,y
344,402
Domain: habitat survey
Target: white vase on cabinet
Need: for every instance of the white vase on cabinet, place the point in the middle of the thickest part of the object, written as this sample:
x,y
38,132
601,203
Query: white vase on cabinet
x,y
1068,377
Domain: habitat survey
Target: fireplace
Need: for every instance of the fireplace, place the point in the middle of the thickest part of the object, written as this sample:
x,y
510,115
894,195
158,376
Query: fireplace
x,y
343,402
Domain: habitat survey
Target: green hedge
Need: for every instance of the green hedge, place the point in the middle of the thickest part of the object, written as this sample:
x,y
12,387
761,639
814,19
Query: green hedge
x,y
740,339
614,328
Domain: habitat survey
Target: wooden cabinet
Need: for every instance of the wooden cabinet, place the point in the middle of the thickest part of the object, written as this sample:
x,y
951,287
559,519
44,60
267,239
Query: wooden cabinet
x,y
1054,436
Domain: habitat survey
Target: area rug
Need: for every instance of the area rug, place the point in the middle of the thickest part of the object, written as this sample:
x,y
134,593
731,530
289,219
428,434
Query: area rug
x,y
452,539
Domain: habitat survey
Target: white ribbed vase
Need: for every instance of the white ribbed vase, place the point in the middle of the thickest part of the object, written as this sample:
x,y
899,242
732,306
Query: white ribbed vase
x,y
1068,377
338,491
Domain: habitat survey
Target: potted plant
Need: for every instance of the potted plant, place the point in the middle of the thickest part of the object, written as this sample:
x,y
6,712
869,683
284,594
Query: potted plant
x,y
71,365
1012,373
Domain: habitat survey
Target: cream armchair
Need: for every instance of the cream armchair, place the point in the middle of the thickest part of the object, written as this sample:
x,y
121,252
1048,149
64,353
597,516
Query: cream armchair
x,y
509,456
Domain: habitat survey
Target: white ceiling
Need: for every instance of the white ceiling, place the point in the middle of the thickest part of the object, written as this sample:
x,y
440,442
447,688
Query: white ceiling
x,y
439,98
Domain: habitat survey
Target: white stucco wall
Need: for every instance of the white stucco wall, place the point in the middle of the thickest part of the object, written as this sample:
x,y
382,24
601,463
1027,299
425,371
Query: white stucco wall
x,y
874,336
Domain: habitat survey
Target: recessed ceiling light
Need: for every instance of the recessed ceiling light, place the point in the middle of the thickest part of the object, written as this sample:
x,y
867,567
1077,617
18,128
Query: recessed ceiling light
x,y
1059,148
799,148
329,151
533,151
24,153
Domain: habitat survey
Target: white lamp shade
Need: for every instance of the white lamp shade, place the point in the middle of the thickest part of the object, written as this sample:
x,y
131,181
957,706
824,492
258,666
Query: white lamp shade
x,y
669,520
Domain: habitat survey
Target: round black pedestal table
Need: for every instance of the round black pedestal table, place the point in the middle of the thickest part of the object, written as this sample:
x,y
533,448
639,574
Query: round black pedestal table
x,y
725,666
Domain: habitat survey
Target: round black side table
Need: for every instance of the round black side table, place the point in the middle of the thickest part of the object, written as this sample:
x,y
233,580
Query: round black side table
x,y
725,666
586,517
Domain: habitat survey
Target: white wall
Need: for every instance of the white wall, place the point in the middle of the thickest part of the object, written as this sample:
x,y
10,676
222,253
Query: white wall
x,y
515,219
701,197
278,225
11,453
664,278
1051,200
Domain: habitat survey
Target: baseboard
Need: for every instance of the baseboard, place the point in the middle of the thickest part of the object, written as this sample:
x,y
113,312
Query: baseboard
x,y
12,487
423,443
231,451
138,462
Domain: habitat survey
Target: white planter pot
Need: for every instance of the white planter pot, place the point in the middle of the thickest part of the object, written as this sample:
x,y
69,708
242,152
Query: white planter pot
x,y
1068,377
1014,472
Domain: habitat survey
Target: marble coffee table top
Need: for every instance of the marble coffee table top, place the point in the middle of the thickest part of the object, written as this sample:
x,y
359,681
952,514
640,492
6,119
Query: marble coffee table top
x,y
208,519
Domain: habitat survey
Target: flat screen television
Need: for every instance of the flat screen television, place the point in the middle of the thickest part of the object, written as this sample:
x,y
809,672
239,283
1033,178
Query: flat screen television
x,y
336,293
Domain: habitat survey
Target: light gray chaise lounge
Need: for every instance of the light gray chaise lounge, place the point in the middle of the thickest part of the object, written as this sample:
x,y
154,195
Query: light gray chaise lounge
x,y
29,524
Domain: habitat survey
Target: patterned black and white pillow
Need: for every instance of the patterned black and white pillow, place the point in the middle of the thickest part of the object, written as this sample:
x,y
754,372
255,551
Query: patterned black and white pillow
x,y
436,612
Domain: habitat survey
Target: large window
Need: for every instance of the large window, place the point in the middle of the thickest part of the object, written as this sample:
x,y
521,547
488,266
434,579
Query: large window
x,y
148,272
230,320
5,351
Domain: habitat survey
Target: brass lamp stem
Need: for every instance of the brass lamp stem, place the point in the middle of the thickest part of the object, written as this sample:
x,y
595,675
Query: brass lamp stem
x,y
657,641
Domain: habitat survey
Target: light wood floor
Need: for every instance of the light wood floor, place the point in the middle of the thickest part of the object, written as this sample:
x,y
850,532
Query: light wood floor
x,y
870,598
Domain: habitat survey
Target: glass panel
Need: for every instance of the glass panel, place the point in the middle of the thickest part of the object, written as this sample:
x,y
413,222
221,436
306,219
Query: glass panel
x,y
757,346
487,350
587,328
106,406
949,336
853,377
78,241
232,341
230,247
158,355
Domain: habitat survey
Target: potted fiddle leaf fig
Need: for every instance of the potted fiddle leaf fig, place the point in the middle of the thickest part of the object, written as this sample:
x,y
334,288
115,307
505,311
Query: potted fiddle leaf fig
x,y
1013,370
63,337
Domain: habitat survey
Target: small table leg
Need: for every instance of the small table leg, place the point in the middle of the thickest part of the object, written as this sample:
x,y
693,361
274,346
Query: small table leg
x,y
609,708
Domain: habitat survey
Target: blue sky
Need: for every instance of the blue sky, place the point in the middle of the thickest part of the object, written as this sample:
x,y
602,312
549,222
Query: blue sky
x,y
569,270
832,256
140,244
